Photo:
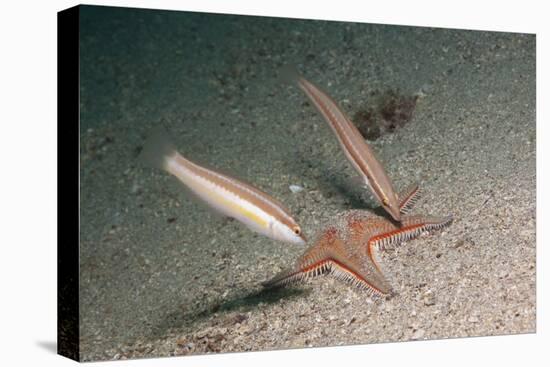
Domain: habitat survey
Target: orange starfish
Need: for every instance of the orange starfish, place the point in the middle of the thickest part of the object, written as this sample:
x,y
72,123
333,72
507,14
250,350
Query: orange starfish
x,y
345,249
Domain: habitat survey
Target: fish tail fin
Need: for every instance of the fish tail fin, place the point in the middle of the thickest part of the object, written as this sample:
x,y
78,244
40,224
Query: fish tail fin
x,y
289,74
158,149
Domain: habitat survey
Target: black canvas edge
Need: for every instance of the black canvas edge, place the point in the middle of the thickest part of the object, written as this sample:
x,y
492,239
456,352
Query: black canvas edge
x,y
68,183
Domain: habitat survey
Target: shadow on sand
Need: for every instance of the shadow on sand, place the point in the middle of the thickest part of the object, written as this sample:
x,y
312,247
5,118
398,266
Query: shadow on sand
x,y
179,320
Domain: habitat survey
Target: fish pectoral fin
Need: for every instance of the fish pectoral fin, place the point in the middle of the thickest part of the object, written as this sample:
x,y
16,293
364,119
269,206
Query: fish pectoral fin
x,y
157,149
358,181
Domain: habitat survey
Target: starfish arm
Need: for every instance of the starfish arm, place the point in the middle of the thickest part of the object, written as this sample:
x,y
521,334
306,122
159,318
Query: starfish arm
x,y
314,261
411,227
297,274
360,272
409,197
342,260
345,250
356,267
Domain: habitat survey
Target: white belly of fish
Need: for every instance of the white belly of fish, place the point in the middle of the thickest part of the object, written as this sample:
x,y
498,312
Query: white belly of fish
x,y
224,201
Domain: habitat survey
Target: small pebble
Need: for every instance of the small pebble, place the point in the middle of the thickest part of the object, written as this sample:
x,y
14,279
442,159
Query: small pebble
x,y
429,298
526,233
203,333
295,188
418,334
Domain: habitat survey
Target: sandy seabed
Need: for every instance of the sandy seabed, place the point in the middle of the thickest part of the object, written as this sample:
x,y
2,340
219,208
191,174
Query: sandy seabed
x,y
160,275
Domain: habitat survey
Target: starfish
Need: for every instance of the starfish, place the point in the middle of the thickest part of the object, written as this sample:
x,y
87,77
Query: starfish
x,y
344,249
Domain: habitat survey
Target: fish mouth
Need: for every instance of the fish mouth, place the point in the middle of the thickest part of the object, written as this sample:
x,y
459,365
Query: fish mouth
x,y
300,240
394,212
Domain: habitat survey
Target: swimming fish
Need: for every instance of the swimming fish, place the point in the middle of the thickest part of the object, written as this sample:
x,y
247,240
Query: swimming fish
x,y
353,144
227,195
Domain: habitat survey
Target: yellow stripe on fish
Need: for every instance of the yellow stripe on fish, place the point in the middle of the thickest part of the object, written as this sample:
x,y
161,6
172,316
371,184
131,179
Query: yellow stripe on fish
x,y
227,195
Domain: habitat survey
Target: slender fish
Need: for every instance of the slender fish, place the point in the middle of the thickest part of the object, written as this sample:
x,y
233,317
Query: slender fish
x,y
353,144
227,195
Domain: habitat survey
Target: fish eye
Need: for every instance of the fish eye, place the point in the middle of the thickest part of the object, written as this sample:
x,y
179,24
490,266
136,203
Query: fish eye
x,y
385,202
297,230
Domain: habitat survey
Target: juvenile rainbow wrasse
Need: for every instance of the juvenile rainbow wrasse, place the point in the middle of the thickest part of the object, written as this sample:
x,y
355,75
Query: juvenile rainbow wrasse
x,y
225,194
